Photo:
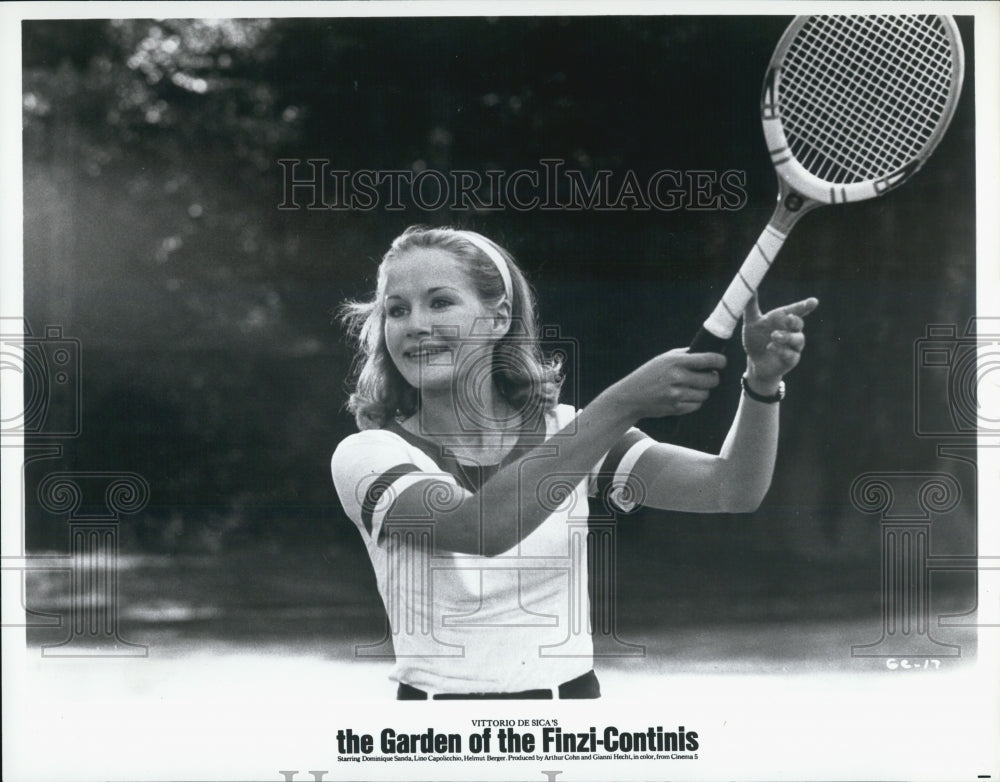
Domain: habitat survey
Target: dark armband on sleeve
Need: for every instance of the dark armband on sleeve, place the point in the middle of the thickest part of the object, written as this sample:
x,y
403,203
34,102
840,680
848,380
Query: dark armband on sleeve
x,y
378,488
612,477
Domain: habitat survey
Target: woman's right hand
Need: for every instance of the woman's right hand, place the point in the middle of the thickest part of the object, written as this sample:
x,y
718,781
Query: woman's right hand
x,y
673,383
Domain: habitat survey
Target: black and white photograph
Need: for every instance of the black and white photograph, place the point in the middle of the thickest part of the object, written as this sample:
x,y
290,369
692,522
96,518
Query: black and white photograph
x,y
515,391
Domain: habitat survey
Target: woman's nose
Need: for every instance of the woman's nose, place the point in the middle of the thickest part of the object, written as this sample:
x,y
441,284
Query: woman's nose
x,y
418,323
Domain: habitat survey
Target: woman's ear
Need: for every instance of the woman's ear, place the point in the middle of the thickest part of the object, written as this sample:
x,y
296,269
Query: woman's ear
x,y
501,318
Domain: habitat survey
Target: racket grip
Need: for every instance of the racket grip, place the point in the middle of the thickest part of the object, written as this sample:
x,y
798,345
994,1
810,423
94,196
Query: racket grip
x,y
727,312
706,342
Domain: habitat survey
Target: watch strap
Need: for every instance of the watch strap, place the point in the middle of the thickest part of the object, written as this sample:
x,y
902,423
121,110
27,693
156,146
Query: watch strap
x,y
767,400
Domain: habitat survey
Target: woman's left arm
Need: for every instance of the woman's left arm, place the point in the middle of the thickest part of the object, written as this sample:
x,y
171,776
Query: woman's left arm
x,y
735,480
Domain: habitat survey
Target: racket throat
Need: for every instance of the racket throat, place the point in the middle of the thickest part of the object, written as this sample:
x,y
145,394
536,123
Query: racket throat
x,y
790,208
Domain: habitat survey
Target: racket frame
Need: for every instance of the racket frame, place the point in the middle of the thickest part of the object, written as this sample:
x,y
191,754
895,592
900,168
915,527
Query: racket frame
x,y
800,191
812,187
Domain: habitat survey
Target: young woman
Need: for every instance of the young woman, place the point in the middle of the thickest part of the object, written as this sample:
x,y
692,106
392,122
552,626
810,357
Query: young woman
x,y
467,478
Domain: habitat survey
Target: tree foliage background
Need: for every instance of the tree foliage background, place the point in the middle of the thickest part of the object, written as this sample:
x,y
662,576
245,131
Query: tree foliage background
x,y
211,361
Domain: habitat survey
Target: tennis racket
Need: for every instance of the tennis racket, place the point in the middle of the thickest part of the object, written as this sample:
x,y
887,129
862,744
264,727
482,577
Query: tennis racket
x,y
852,106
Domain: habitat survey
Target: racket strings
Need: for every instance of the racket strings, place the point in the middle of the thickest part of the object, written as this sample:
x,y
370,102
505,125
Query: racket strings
x,y
867,109
859,97
862,96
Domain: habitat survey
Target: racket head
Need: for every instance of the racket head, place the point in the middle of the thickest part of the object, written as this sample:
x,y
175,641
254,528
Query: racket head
x,y
852,106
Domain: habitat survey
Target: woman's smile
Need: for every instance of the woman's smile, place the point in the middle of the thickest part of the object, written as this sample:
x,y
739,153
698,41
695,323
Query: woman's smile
x,y
431,312
429,353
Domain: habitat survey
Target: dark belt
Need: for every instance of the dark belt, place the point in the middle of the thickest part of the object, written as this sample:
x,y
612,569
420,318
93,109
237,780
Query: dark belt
x,y
585,686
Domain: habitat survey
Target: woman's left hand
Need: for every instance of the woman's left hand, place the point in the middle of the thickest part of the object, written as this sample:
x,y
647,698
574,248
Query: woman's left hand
x,y
774,341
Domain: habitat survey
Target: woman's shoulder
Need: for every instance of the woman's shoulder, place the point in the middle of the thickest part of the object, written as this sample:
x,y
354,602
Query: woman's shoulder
x,y
366,442
368,436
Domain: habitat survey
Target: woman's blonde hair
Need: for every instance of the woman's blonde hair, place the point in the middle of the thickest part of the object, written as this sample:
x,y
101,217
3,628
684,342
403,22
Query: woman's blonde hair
x,y
520,372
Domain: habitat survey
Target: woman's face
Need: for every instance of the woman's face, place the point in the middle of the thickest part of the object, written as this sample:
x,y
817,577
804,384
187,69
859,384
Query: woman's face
x,y
437,329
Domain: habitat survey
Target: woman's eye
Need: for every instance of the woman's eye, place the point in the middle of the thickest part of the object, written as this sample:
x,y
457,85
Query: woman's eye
x,y
396,311
440,303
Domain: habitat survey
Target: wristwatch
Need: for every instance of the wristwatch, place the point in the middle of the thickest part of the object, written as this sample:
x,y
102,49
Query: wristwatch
x,y
767,400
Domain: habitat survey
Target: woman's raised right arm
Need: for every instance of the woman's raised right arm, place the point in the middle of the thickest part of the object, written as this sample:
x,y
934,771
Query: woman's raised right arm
x,y
511,504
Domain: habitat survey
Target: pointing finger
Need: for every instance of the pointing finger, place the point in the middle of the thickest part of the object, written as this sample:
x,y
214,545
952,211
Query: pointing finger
x,y
801,308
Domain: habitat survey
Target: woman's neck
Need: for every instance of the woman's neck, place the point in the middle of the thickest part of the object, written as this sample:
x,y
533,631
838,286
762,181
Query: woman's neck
x,y
485,426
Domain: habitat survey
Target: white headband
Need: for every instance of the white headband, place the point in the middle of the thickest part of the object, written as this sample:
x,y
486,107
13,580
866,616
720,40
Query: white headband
x,y
498,260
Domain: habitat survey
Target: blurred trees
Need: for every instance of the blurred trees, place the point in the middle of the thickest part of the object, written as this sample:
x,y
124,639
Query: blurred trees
x,y
148,149
210,361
